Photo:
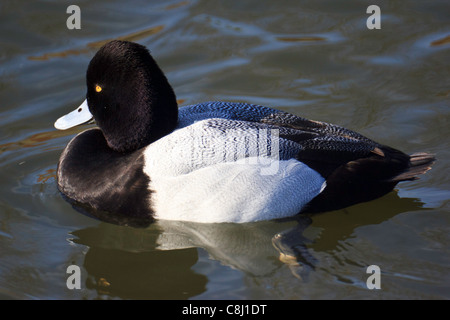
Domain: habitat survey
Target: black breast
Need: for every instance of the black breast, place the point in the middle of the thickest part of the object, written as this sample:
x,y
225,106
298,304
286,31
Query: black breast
x,y
91,173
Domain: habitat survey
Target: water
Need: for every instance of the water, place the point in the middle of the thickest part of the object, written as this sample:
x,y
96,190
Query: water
x,y
314,59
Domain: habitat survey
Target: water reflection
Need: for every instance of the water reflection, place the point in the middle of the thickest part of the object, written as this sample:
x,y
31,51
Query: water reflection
x,y
155,260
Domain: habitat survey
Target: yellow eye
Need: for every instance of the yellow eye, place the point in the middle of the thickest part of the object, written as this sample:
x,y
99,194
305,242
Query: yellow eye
x,y
98,88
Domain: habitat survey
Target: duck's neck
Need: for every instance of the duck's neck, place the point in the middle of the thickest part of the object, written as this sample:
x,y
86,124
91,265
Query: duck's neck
x,y
141,130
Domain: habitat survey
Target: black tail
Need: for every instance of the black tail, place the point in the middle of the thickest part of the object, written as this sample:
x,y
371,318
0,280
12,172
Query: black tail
x,y
368,178
419,163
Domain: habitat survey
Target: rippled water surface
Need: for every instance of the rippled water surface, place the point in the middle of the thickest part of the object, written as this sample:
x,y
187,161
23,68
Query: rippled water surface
x,y
316,59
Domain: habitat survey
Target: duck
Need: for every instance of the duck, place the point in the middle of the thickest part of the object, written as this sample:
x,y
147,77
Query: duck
x,y
212,162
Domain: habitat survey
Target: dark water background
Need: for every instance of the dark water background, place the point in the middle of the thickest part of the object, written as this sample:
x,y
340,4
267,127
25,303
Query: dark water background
x,y
316,59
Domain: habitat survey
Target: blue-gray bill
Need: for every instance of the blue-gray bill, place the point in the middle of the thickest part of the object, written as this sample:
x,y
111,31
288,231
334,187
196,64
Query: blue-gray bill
x,y
79,116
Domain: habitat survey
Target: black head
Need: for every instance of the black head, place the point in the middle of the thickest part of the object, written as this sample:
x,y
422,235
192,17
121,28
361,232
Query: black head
x,y
129,96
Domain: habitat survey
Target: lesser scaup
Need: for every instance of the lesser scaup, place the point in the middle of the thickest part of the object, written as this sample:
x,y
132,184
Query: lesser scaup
x,y
214,161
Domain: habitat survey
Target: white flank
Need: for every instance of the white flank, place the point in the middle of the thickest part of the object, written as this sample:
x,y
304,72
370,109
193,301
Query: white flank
x,y
201,173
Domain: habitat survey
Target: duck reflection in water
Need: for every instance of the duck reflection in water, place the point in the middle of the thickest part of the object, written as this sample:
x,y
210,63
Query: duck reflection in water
x,y
258,248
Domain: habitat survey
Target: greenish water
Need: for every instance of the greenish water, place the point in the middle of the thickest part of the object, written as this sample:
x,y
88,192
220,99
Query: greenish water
x,y
316,59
